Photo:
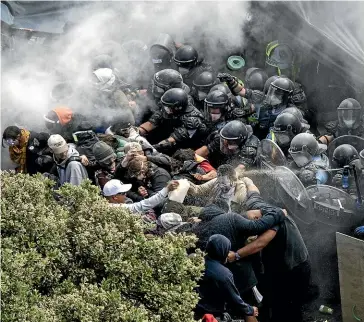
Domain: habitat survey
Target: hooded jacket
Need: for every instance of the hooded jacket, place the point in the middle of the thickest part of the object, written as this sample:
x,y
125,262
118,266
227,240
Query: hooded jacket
x,y
217,286
72,172
237,229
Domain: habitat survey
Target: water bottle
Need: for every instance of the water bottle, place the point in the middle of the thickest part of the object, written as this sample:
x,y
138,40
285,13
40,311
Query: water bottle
x,y
345,178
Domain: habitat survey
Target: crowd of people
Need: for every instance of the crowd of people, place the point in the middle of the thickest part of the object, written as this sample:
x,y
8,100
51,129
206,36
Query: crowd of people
x,y
188,121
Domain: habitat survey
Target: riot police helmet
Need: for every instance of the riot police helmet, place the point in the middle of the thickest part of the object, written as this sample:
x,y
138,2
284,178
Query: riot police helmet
x,y
344,154
165,80
280,91
350,113
174,101
255,79
186,57
202,85
304,147
232,137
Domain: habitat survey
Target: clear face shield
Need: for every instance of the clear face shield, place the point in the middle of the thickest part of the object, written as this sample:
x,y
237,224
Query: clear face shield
x,y
275,96
349,118
283,138
302,157
157,91
229,147
213,113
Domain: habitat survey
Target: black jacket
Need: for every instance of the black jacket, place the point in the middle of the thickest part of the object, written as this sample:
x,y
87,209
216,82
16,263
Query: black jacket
x,y
39,157
237,229
217,287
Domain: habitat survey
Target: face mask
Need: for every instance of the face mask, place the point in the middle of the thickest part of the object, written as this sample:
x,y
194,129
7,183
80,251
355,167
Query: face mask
x,y
233,147
215,117
11,142
183,71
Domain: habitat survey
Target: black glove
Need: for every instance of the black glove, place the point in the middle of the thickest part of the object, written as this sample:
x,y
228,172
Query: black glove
x,y
231,82
225,77
164,145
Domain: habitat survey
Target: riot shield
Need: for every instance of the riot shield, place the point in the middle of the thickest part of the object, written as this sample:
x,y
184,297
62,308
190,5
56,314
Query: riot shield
x,y
333,207
293,195
270,155
356,141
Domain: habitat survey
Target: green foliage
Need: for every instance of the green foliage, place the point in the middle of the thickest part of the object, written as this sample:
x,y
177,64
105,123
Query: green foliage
x,y
78,259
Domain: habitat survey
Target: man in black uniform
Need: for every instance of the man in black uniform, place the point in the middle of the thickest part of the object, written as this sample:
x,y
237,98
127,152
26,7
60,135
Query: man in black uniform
x,y
218,110
350,121
201,86
180,124
234,143
162,51
189,64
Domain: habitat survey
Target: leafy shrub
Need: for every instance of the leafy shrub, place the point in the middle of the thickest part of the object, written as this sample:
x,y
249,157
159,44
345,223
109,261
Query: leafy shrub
x,y
78,259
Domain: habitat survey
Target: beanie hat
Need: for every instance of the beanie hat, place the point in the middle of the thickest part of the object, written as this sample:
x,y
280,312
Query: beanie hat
x,y
57,144
103,151
169,220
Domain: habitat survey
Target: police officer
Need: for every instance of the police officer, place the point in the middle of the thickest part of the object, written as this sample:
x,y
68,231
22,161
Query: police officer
x,y
255,79
346,155
350,121
162,51
234,143
286,126
234,101
309,161
179,124
165,80
201,86
190,65
216,110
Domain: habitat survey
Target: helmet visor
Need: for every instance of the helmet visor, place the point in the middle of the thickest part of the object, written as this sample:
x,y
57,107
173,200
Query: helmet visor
x,y
349,118
283,138
301,158
157,91
275,96
229,147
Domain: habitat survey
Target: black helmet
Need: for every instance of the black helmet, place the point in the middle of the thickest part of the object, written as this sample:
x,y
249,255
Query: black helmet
x,y
350,113
186,57
162,51
255,79
216,100
174,101
287,121
286,126
280,91
232,136
202,85
344,154
269,81
165,80
303,147
221,87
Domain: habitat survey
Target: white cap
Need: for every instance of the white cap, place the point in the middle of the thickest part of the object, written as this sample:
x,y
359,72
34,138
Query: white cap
x,y
170,220
114,186
57,144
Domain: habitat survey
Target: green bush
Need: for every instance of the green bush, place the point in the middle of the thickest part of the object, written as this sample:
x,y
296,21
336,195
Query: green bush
x,y
80,260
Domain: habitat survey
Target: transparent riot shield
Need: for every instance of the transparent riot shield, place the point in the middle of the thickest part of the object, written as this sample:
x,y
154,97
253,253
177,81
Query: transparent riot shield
x,y
270,155
293,195
333,206
356,141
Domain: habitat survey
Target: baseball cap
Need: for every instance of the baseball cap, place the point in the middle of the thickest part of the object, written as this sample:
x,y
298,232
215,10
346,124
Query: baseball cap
x,y
57,144
114,186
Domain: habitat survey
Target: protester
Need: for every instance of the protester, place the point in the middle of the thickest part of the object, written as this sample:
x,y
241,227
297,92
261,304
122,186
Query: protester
x,y
69,168
217,287
115,192
28,150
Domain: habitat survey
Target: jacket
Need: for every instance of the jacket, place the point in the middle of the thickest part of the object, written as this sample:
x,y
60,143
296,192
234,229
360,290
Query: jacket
x,y
38,155
237,229
217,287
146,204
72,172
